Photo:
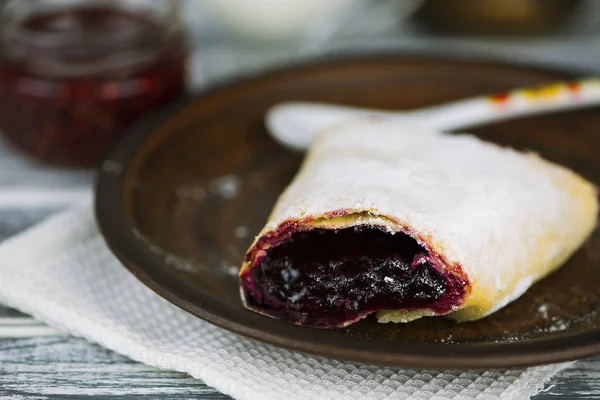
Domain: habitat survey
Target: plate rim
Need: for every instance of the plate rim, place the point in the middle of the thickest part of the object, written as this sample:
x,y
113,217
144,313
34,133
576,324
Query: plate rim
x,y
118,231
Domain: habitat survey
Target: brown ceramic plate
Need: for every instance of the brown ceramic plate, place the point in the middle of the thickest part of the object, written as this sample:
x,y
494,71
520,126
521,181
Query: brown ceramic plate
x,y
181,198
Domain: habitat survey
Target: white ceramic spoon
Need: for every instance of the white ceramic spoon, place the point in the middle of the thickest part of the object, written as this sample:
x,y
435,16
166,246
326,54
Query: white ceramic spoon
x,y
295,124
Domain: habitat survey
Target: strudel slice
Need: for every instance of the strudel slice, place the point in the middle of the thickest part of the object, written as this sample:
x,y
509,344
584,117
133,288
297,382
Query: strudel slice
x,y
392,219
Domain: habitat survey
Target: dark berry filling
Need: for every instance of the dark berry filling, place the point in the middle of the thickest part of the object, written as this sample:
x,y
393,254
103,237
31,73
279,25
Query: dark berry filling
x,y
328,278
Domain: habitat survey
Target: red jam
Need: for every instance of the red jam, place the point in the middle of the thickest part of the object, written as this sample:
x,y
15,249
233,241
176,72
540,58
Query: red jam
x,y
72,80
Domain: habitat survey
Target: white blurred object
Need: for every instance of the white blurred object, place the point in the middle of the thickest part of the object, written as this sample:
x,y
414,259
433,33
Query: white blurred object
x,y
273,19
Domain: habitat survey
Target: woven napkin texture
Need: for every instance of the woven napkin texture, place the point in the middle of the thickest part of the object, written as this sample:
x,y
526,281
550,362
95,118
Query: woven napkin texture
x,y
61,272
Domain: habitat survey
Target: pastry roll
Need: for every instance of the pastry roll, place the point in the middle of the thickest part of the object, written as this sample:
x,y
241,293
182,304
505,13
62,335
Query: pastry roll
x,y
392,219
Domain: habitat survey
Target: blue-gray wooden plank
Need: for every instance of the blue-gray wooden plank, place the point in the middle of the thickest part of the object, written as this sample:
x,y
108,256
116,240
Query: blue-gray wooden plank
x,y
68,367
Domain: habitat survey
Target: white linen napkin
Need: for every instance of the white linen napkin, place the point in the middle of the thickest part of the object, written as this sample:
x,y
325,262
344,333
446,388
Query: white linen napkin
x,y
61,272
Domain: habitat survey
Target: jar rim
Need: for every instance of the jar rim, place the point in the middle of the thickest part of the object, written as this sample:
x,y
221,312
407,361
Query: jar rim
x,y
12,29
63,53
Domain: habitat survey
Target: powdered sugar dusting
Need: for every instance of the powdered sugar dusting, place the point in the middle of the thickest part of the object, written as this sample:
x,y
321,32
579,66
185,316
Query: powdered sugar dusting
x,y
226,186
232,270
557,326
112,167
193,192
241,232
173,260
229,269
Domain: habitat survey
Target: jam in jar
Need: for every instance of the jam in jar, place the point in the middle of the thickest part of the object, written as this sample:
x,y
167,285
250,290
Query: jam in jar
x,y
74,75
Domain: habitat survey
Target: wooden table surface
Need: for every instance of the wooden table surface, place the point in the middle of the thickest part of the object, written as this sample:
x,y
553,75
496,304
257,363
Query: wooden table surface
x,y
37,362
43,364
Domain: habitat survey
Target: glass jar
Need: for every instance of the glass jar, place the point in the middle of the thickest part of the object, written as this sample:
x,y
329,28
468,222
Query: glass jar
x,y
74,74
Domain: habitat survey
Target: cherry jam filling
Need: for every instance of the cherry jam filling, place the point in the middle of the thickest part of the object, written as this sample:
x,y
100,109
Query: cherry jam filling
x,y
328,278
